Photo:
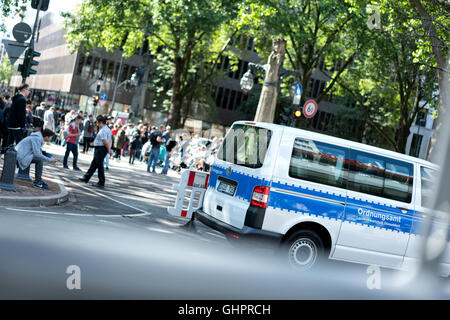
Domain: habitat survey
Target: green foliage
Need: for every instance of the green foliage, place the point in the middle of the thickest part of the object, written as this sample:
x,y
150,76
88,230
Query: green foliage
x,y
6,70
187,34
11,7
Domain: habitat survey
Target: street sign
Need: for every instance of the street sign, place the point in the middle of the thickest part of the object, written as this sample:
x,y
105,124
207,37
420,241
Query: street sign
x,y
22,32
298,94
298,90
103,96
14,49
310,108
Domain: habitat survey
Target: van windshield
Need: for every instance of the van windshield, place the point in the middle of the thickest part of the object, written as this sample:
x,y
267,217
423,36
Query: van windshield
x,y
245,145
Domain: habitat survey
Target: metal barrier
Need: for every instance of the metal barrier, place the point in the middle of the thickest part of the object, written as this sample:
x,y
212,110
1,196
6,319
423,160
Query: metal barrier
x,y
197,181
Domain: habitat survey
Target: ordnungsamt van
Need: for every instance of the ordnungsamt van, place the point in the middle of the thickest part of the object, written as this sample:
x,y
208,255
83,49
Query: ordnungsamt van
x,y
320,196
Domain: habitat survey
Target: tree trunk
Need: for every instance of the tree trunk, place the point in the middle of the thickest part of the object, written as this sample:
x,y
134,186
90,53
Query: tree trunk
x,y
442,64
176,99
268,99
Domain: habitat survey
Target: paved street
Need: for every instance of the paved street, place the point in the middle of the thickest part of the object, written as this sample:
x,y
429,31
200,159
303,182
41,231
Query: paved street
x,y
124,232
132,196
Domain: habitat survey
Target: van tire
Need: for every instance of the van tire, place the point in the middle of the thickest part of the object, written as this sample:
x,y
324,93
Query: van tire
x,y
304,249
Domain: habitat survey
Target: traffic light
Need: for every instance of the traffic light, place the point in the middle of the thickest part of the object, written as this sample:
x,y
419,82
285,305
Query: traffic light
x,y
98,88
96,98
28,62
286,115
44,4
297,112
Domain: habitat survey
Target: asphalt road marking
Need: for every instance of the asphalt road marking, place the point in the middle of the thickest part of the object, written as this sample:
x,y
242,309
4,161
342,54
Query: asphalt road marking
x,y
141,212
81,214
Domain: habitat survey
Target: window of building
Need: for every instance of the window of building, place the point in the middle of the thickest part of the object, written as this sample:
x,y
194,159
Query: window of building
x,y
231,103
219,97
80,65
416,143
110,75
380,176
226,96
95,68
87,67
319,162
124,73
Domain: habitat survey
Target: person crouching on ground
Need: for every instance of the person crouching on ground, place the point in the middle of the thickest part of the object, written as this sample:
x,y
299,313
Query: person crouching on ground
x,y
29,151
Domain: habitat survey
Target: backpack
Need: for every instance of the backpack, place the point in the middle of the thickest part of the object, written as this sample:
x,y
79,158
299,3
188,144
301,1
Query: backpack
x,y
153,140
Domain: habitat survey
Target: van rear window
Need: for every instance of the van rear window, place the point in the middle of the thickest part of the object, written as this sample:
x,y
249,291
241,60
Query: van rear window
x,y
245,145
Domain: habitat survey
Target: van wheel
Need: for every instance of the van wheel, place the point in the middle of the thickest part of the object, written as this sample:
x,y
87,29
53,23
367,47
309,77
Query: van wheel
x,y
304,249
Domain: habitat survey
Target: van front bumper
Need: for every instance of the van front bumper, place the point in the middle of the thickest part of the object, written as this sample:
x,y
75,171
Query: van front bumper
x,y
246,233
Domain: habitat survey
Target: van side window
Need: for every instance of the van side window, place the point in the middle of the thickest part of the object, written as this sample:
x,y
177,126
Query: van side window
x,y
428,177
319,162
380,176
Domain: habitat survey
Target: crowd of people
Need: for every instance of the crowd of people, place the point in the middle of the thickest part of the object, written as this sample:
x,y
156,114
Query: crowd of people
x,y
27,127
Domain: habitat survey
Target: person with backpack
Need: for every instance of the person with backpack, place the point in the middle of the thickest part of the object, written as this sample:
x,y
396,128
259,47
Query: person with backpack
x,y
72,132
170,146
119,142
89,129
155,140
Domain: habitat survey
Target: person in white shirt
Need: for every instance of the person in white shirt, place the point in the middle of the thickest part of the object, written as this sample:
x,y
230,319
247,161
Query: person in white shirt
x,y
102,144
49,119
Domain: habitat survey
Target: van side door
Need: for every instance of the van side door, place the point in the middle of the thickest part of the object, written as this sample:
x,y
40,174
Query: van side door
x,y
379,210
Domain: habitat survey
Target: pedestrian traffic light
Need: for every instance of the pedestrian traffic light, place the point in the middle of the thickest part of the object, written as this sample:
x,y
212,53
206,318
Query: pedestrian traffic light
x,y
44,4
96,98
98,88
28,62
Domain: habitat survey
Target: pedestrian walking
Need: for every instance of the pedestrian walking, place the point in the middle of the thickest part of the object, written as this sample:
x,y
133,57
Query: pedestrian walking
x,y
155,141
89,128
72,132
135,144
102,145
170,147
49,119
119,142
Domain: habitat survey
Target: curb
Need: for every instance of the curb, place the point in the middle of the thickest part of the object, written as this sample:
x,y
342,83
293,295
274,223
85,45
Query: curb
x,y
46,201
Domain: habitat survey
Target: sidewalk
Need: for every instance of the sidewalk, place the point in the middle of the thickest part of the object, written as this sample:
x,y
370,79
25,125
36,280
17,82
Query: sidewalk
x,y
27,195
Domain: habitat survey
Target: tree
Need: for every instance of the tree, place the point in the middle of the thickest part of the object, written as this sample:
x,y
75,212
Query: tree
x,y
6,70
316,31
11,7
434,17
174,29
392,79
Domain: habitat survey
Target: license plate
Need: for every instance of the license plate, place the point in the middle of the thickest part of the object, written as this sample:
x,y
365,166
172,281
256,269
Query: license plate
x,y
226,188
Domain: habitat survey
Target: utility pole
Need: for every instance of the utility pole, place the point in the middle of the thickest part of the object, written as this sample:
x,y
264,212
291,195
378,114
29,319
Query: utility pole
x,y
117,83
268,99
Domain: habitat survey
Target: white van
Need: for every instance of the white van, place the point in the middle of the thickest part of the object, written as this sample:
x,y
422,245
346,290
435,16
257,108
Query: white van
x,y
319,195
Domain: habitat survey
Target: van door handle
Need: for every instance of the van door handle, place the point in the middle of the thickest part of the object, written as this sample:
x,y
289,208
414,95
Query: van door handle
x,y
403,210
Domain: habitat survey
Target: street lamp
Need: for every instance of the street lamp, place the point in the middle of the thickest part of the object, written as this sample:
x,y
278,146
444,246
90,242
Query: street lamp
x,y
247,81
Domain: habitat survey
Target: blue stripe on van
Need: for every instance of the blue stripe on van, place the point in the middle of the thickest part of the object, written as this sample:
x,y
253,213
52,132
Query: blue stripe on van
x,y
394,219
245,182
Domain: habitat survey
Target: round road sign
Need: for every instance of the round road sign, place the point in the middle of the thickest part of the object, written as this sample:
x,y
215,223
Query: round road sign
x,y
22,32
310,108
